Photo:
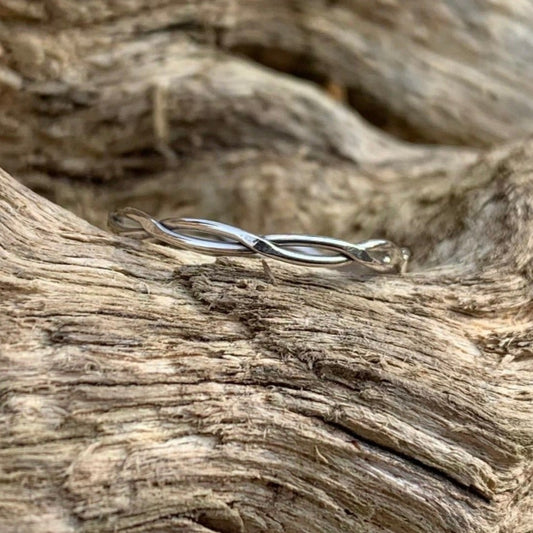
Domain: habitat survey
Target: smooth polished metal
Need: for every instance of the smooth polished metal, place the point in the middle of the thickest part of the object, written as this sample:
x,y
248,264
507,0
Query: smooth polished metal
x,y
216,238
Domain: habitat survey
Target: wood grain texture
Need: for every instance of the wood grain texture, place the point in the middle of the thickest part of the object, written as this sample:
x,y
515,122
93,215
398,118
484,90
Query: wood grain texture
x,y
148,389
442,72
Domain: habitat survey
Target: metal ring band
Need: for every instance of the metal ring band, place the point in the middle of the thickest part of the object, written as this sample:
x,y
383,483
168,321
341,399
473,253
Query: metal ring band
x,y
216,238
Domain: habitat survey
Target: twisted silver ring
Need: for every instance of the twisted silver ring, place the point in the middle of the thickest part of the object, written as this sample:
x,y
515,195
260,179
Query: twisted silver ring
x,y
216,238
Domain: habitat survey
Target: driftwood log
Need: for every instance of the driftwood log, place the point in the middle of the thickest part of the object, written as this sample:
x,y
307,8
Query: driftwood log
x,y
148,389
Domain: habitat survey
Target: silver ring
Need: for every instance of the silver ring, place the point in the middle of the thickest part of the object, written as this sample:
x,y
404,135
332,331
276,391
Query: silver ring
x,y
216,238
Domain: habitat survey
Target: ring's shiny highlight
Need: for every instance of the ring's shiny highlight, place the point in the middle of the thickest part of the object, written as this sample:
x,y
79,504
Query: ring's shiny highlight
x,y
215,238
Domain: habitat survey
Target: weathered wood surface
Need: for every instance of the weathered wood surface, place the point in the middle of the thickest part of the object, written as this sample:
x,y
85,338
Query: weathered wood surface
x,y
145,389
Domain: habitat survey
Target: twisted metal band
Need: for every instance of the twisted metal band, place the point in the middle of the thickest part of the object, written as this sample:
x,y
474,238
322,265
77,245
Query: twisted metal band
x,y
215,238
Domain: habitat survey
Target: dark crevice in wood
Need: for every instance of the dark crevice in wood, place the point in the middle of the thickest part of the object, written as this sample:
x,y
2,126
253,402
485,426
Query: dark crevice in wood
x,y
375,111
305,67
467,490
